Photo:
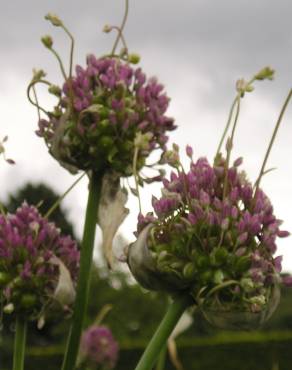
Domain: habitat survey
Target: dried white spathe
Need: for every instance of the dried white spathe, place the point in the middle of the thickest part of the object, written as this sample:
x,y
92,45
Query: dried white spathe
x,y
65,291
111,212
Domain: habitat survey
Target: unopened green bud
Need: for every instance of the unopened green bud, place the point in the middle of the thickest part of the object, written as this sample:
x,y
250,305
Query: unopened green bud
x,y
107,28
104,123
92,150
106,142
142,140
47,41
134,58
103,113
218,277
259,299
123,53
242,86
4,278
242,264
175,147
189,270
247,284
177,265
221,255
207,276
54,19
18,282
28,300
202,261
55,90
128,170
38,74
265,73
162,256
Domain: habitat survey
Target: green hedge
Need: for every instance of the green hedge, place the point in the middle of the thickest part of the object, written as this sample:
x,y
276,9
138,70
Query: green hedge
x,y
226,351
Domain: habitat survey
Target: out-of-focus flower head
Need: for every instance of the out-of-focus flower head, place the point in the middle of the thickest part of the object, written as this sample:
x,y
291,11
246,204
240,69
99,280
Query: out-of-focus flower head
x,y
38,265
98,348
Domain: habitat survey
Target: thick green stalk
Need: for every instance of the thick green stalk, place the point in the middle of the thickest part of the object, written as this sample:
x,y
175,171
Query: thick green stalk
x,y
159,339
84,273
161,359
19,344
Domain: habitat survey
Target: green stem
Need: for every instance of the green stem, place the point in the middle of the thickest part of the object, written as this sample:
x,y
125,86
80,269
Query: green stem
x,y
60,63
161,359
122,26
230,146
262,171
2,210
58,202
135,159
84,272
35,103
19,344
226,127
158,341
71,50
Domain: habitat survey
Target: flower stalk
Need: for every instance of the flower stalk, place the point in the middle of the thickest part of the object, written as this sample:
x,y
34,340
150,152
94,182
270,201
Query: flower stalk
x,y
19,344
162,359
262,171
159,339
121,29
84,273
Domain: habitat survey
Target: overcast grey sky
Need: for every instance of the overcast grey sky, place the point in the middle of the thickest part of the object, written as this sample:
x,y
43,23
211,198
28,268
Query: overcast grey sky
x,y
197,49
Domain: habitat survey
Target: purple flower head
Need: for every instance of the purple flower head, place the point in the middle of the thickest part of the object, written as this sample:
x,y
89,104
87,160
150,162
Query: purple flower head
x,y
227,235
33,254
99,348
100,112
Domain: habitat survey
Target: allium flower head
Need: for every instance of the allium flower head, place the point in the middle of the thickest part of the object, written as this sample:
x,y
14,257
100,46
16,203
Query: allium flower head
x,y
99,348
212,235
33,256
100,113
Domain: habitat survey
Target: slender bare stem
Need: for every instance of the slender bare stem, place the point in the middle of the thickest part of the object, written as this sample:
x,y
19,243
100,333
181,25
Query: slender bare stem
x,y
35,103
56,204
230,145
262,171
122,26
226,127
136,176
60,63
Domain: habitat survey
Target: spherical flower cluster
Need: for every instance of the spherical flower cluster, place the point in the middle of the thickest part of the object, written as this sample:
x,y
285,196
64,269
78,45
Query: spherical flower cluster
x,y
33,255
213,235
101,112
99,348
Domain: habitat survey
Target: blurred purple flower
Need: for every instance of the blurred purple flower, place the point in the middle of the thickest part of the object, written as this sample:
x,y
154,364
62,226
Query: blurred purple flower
x,y
30,250
98,347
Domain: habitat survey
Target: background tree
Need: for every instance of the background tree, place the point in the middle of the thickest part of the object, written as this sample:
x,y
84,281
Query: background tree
x,y
44,198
